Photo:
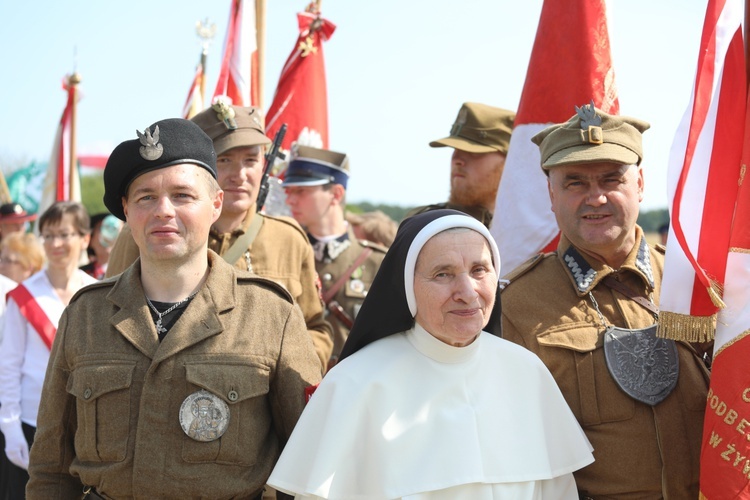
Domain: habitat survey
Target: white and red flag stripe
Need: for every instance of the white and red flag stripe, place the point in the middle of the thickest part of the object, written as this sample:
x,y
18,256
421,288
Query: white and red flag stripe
x,y
704,168
62,181
238,76
301,98
567,68
708,250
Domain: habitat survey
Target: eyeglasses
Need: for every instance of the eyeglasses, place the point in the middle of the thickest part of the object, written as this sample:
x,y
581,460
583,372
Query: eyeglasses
x,y
9,262
49,238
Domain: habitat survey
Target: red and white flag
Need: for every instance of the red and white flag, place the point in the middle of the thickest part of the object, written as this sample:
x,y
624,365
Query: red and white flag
x,y
568,68
238,77
194,102
301,99
62,182
708,249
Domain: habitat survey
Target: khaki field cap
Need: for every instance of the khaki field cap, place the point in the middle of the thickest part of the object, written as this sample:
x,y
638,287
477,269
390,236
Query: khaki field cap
x,y
479,129
232,126
592,136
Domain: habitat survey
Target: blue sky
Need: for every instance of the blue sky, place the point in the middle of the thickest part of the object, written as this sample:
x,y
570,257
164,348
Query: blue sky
x,y
397,75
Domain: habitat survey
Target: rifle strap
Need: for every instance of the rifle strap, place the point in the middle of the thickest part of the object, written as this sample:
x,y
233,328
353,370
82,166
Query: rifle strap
x,y
331,292
242,243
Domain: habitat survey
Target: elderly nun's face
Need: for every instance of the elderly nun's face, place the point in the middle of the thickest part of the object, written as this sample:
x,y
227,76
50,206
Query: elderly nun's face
x,y
454,286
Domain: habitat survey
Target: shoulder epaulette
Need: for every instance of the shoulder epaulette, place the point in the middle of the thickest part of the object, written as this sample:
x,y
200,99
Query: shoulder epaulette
x,y
660,248
248,277
526,266
105,283
288,221
375,246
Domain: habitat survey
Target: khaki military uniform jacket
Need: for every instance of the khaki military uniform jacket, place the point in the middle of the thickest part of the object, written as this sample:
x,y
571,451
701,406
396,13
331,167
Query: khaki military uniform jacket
x,y
280,252
640,451
353,291
111,401
479,213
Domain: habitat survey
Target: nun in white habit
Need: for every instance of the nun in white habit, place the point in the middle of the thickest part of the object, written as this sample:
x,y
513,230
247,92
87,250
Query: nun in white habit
x,y
424,404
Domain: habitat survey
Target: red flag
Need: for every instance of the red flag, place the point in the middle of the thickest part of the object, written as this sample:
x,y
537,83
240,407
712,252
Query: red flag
x,y
238,76
301,99
709,245
568,67
194,102
62,180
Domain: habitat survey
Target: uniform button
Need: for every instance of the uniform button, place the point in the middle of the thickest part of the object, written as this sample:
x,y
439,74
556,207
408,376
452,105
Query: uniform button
x,y
232,395
87,393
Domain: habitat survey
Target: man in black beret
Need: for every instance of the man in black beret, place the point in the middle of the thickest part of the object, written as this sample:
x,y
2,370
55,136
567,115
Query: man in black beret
x,y
182,377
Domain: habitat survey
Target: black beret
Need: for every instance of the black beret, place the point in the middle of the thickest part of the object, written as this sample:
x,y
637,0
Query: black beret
x,y
167,142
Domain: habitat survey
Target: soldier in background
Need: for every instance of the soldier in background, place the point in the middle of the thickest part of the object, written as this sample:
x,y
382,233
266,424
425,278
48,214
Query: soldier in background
x,y
315,186
272,247
480,138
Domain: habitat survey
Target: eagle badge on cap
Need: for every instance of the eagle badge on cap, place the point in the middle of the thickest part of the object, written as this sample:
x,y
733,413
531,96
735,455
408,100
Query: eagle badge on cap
x,y
151,149
463,115
590,123
225,113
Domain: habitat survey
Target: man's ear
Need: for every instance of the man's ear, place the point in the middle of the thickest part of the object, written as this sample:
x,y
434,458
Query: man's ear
x,y
338,192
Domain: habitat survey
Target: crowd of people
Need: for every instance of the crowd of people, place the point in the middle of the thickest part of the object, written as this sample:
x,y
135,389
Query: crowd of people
x,y
188,344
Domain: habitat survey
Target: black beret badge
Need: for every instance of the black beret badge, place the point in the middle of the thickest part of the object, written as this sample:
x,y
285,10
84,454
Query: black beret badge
x,y
151,149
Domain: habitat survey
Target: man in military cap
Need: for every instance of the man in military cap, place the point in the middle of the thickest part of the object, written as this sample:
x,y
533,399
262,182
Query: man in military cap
x,y
272,247
14,219
589,311
183,376
479,137
315,186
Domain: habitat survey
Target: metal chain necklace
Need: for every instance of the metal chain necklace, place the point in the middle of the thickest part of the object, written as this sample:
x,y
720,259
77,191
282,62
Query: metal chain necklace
x,y
159,327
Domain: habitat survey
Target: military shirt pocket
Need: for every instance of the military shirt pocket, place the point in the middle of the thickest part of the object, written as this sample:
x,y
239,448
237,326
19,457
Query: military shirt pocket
x,y
244,387
580,369
102,395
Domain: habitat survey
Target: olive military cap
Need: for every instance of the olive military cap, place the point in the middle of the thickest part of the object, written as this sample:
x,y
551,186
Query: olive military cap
x,y
591,136
479,129
165,143
316,167
232,126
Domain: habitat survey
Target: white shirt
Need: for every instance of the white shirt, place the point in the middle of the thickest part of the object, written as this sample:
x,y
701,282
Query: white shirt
x,y
6,285
24,359
409,416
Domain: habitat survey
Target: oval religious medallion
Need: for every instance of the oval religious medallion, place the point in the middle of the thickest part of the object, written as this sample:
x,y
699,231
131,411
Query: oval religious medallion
x,y
204,416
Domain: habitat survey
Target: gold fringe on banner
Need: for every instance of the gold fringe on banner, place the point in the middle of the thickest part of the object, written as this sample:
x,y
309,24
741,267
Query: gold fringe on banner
x,y
687,328
715,291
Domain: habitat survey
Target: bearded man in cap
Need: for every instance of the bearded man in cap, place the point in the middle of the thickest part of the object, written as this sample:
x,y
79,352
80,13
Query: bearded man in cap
x,y
272,247
315,186
136,356
480,138
589,311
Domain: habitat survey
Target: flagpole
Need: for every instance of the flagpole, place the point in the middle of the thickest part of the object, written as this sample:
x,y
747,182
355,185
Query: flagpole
x,y
205,32
260,31
73,81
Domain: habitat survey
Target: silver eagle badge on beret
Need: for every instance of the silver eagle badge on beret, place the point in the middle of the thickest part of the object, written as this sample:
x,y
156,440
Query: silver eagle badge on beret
x,y
590,123
204,416
151,149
